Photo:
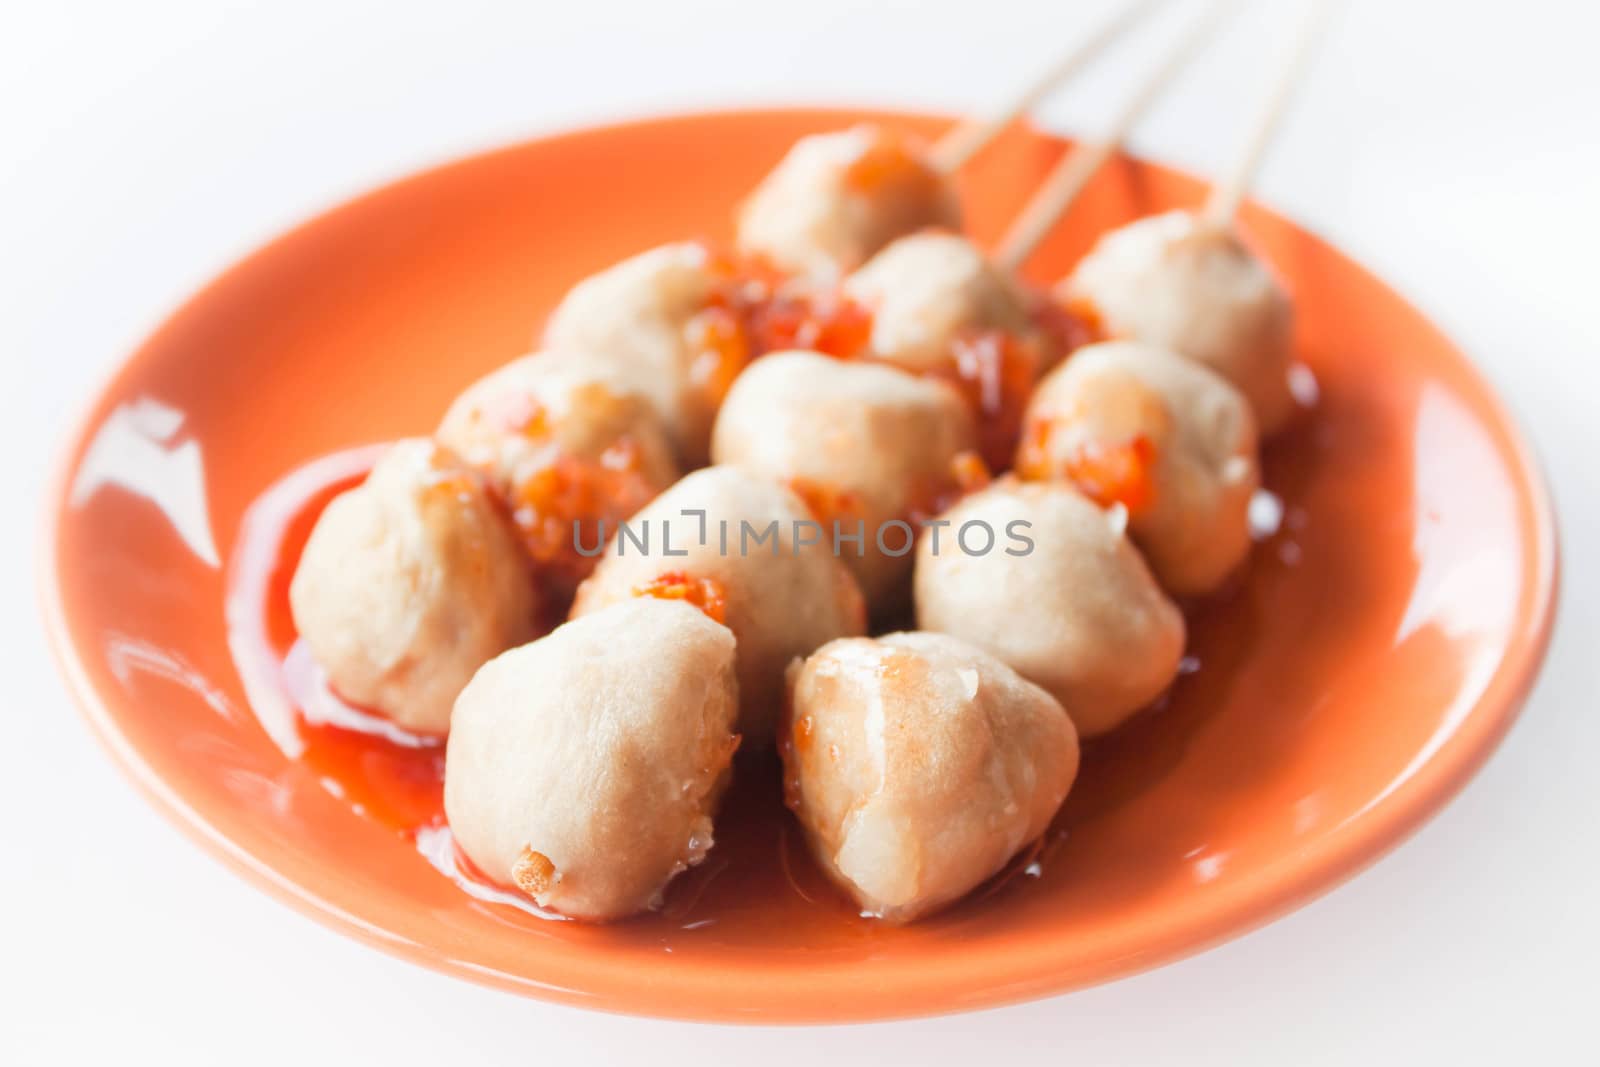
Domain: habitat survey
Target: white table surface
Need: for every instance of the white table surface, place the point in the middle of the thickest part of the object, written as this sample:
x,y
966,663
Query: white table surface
x,y
1452,146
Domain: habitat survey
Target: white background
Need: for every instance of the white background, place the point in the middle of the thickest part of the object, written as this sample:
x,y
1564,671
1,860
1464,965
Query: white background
x,y
1453,146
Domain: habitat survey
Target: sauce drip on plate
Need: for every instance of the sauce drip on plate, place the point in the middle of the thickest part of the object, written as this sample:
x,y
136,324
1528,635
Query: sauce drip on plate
x,y
760,859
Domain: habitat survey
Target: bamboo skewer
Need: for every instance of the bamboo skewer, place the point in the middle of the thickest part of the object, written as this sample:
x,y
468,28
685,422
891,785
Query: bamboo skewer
x,y
1063,184
957,147
1227,193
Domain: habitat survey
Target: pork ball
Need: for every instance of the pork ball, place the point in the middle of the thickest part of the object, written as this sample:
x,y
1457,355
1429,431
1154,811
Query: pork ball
x,y
869,448
918,765
1178,281
837,198
585,768
409,583
782,595
1164,436
638,321
1061,595
928,291
569,447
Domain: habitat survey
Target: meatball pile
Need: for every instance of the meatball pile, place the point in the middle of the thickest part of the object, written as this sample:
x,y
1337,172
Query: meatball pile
x,y
848,493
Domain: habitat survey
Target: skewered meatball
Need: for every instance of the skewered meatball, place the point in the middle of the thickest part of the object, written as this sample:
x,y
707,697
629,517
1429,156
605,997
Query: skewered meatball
x,y
918,765
781,598
837,198
870,449
640,320
1165,437
409,583
585,768
940,308
568,446
1180,282
930,290
1078,612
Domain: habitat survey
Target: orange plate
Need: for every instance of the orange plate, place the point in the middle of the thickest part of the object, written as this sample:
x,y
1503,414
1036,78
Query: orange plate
x,y
1377,650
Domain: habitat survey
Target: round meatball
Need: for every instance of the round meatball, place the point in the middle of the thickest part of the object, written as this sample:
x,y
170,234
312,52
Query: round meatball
x,y
409,583
1180,282
1165,437
1061,595
639,321
870,448
918,765
930,290
837,198
569,448
774,582
585,768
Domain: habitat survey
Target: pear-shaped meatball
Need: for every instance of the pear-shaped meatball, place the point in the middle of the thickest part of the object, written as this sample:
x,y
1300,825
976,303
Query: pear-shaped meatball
x,y
1183,283
837,198
1164,436
918,765
1060,594
409,583
931,290
585,768
746,548
871,449
646,321
568,446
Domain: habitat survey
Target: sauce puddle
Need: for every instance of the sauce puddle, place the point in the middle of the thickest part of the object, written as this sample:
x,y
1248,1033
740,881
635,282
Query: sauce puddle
x,y
396,778
760,872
